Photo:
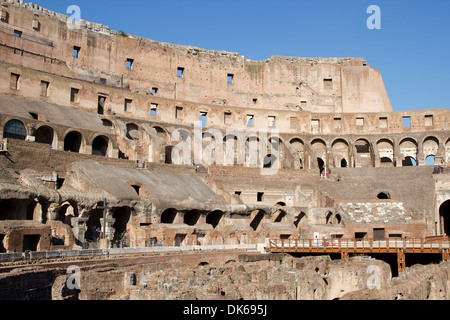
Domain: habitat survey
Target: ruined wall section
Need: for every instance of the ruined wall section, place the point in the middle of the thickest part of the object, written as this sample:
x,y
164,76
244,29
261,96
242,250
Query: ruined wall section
x,y
209,76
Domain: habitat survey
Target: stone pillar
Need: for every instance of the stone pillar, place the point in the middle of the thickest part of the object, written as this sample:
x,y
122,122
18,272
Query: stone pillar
x,y
79,227
109,231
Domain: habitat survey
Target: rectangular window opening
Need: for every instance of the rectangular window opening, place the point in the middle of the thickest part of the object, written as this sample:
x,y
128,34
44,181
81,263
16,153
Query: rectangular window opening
x,y
337,123
328,83
271,121
153,108
130,64
154,90
101,104
44,88
227,118
178,112
250,118
180,72
230,78
429,120
17,33
254,101
383,122
406,122
127,105
14,81
76,52
203,119
359,122
315,126
260,196
74,95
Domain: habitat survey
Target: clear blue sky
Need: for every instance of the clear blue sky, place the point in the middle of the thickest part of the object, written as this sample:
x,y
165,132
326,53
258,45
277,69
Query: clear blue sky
x,y
411,50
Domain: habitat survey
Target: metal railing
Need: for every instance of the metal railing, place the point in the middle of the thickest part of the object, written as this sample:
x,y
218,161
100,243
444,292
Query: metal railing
x,y
59,254
360,244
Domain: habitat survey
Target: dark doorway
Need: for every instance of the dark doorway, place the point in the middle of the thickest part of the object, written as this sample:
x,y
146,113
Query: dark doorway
x,y
2,247
30,242
321,165
168,155
379,233
343,163
100,146
444,212
191,217
72,142
168,216
44,135
101,104
121,216
257,220
213,218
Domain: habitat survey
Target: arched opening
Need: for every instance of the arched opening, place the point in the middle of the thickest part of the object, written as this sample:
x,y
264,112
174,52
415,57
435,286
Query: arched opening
x,y
362,146
72,141
279,216
191,217
168,216
298,152
136,188
409,162
214,218
430,148
256,221
132,131
321,165
383,195
444,213
44,135
430,160
344,163
93,225
100,146
299,219
270,161
122,217
328,217
107,123
14,129
66,213
339,149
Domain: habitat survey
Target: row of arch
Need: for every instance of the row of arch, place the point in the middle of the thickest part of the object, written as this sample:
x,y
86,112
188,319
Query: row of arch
x,y
73,140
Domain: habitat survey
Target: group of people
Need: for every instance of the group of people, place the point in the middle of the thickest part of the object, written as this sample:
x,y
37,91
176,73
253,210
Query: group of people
x,y
441,169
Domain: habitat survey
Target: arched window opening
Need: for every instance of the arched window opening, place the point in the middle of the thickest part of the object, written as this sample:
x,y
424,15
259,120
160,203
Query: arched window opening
x,y
256,221
14,129
72,142
191,217
383,195
44,135
444,213
100,146
270,161
214,218
168,216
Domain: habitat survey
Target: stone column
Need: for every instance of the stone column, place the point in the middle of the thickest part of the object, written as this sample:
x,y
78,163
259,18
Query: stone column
x,y
109,231
79,227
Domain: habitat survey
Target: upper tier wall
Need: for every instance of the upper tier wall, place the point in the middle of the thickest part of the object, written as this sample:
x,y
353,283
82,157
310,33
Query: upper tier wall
x,y
210,77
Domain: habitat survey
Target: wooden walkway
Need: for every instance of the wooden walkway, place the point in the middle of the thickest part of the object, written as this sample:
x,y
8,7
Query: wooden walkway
x,y
399,246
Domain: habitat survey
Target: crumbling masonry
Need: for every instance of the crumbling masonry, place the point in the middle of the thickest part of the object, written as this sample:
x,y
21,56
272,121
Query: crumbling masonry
x,y
292,147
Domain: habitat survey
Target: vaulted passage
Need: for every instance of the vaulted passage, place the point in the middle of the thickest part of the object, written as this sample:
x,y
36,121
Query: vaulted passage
x,y
14,129
122,217
72,142
213,218
100,146
191,217
168,216
444,212
44,135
